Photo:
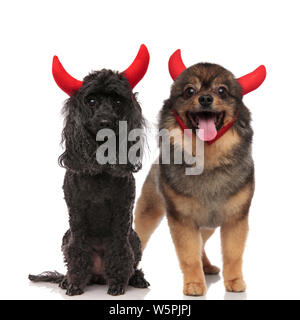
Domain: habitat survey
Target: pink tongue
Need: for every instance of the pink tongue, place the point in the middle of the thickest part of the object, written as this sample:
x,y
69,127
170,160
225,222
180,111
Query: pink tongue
x,y
208,127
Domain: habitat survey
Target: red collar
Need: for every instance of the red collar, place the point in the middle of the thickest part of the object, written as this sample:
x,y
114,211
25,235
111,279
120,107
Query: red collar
x,y
220,133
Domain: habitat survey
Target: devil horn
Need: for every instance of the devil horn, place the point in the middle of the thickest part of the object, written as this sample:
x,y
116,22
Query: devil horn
x,y
176,65
136,71
65,81
252,80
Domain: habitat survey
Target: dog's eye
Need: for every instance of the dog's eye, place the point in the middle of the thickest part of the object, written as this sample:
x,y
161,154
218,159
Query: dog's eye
x,y
117,101
222,91
189,92
91,102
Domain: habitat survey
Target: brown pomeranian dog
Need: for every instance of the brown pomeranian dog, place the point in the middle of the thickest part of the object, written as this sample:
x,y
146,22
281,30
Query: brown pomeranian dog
x,y
207,97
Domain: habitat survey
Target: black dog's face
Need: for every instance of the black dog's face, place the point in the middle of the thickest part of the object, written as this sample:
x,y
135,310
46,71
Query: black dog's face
x,y
104,99
206,96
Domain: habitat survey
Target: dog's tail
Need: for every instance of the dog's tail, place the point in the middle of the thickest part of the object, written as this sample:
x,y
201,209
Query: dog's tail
x,y
47,276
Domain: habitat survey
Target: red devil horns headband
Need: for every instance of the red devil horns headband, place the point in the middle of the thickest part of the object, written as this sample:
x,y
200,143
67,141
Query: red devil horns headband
x,y
249,82
65,81
134,73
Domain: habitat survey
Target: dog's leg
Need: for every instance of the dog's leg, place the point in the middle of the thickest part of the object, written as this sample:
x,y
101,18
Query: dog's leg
x,y
78,259
119,258
136,247
149,210
207,266
118,265
137,280
188,243
233,238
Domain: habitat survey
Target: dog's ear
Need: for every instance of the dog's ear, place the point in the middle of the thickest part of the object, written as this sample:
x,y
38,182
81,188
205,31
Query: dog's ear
x,y
79,147
135,118
136,121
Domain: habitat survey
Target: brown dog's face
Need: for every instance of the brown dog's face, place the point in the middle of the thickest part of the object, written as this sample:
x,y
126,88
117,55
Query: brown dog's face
x,y
206,96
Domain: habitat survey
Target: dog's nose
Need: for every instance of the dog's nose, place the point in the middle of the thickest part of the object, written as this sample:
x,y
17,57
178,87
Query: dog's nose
x,y
206,100
104,122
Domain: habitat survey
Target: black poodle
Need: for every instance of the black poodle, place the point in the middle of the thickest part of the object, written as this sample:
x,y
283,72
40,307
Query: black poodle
x,y
100,246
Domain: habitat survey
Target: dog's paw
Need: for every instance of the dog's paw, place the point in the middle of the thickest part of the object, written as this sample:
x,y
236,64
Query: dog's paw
x,y
235,285
73,290
138,280
140,283
116,289
210,269
194,289
64,283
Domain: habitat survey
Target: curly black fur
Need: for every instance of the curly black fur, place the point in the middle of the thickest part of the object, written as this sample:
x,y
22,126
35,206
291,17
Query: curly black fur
x,y
100,246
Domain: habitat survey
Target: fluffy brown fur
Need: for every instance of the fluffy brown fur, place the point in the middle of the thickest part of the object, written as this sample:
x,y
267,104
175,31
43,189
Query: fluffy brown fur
x,y
220,197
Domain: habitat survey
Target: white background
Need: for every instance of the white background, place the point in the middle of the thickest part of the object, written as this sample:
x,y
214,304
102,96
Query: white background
x,y
90,35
